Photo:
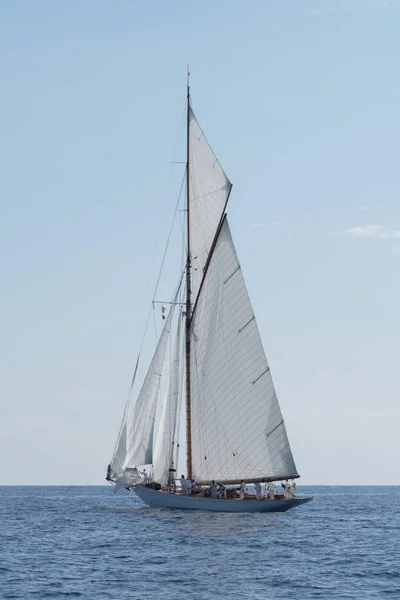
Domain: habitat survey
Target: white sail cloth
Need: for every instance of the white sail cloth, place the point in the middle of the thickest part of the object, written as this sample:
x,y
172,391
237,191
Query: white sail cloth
x,y
209,190
166,434
118,460
237,426
135,444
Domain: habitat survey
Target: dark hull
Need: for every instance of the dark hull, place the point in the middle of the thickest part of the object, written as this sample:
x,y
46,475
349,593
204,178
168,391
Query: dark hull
x,y
158,499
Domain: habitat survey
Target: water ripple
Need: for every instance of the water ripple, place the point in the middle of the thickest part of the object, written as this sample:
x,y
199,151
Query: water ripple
x,y
82,542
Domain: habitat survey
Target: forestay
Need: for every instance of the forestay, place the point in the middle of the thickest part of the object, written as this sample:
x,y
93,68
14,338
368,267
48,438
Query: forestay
x,y
209,190
237,426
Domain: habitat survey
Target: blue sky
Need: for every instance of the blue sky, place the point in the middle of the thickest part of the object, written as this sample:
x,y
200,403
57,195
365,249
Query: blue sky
x,y
300,103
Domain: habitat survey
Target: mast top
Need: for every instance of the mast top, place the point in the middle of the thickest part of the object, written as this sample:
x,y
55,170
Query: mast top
x,y
188,81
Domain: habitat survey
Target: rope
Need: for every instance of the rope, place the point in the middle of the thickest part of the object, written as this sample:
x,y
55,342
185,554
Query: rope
x,y
130,391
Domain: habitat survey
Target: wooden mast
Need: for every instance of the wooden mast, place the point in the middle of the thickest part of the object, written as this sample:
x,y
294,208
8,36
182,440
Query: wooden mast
x,y
188,298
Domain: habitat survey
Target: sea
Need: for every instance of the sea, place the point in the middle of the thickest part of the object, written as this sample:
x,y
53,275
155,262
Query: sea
x,y
84,542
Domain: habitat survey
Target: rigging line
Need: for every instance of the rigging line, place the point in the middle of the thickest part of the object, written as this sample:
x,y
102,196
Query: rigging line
x,y
151,309
158,281
155,253
124,416
178,137
154,325
183,232
169,237
130,391
181,126
173,304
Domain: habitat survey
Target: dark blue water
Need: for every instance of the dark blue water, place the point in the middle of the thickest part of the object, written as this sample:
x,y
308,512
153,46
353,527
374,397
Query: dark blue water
x,y
60,542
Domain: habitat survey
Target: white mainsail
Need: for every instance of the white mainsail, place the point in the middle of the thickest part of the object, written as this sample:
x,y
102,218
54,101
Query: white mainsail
x,y
166,435
209,192
237,426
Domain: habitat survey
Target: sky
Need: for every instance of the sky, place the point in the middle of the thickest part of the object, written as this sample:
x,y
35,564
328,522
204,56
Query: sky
x,y
300,101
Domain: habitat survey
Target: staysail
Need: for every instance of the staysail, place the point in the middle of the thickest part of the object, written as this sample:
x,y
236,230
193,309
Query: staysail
x,y
135,444
237,426
166,435
209,190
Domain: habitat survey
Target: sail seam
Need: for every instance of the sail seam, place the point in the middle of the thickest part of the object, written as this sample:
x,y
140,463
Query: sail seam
x,y
248,323
259,377
276,427
232,274
224,187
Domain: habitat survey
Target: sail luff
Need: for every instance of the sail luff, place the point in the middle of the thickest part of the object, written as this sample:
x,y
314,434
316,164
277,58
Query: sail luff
x,y
238,429
209,194
188,295
205,269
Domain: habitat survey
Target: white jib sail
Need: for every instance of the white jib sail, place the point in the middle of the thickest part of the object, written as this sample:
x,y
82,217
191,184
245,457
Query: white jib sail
x,y
237,426
118,460
209,190
140,425
166,435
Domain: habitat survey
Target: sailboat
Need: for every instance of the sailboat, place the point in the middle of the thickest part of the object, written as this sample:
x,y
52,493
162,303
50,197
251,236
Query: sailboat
x,y
219,383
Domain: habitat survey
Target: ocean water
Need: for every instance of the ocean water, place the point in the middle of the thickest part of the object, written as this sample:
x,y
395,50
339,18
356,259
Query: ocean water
x,y
83,542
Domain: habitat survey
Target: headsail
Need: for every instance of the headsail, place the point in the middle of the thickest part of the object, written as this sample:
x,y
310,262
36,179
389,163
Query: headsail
x,y
116,466
135,444
209,190
237,426
166,435
140,427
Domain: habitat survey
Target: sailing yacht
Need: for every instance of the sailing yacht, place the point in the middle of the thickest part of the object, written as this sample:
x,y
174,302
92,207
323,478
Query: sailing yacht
x,y
219,384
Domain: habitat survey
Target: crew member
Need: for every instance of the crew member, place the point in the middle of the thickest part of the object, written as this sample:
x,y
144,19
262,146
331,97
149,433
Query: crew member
x,y
242,489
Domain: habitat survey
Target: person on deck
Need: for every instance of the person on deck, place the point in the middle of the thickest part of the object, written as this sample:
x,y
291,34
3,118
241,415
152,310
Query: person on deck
x,y
145,476
270,489
294,486
242,489
194,485
183,484
188,485
287,490
258,490
213,489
